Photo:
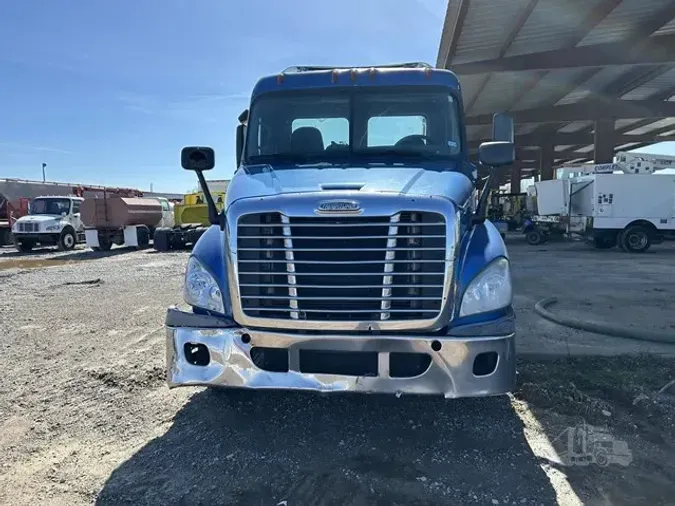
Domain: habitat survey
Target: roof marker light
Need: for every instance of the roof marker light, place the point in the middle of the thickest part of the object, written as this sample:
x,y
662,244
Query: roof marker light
x,y
353,74
334,76
280,79
371,73
427,72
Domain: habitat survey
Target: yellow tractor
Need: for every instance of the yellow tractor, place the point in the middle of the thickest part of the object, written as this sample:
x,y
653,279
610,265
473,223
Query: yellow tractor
x,y
191,219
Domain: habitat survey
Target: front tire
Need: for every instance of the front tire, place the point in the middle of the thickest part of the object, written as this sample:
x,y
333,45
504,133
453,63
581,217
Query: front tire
x,y
67,240
161,239
636,239
143,237
534,237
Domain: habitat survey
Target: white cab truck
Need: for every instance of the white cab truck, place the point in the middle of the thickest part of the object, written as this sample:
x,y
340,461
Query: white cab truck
x,y
124,221
621,204
52,220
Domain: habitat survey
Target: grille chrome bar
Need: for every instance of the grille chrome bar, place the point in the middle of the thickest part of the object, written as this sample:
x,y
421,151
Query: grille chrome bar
x,y
348,225
328,238
341,262
293,297
358,249
290,267
285,309
258,273
337,286
390,255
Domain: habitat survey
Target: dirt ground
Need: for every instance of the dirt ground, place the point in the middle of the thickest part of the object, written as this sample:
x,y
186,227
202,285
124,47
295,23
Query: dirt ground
x,y
85,416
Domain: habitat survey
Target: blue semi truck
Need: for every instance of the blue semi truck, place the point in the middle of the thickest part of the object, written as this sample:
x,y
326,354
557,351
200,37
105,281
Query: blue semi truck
x,y
353,253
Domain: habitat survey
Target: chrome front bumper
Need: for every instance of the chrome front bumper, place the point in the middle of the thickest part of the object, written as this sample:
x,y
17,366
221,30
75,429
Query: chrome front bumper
x,y
450,372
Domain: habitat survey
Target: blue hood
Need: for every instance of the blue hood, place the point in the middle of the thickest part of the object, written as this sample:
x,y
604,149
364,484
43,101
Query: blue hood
x,y
265,181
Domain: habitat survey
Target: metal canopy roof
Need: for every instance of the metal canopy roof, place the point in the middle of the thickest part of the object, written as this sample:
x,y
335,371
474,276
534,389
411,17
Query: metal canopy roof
x,y
558,66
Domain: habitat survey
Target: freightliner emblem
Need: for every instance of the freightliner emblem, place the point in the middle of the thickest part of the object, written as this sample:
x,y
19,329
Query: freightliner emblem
x,y
338,206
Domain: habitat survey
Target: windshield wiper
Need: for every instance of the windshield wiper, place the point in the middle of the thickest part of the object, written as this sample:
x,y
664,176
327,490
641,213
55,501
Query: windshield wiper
x,y
294,158
278,157
390,153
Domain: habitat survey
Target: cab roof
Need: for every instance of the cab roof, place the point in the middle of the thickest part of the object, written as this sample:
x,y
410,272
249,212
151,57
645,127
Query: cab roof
x,y
405,74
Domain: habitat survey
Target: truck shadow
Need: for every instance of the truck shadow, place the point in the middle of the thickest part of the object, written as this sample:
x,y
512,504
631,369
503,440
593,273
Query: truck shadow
x,y
268,447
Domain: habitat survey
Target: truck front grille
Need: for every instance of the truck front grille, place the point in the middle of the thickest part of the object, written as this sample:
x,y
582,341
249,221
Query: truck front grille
x,y
342,268
28,227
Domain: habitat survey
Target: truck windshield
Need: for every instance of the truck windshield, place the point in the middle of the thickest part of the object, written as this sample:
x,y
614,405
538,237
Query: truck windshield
x,y
50,206
336,126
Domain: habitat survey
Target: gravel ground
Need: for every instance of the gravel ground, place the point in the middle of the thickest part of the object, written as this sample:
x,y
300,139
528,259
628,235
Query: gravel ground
x,y
85,416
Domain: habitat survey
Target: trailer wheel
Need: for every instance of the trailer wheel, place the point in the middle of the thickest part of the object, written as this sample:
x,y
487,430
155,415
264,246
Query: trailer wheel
x,y
143,237
161,239
67,240
534,237
636,239
104,243
5,235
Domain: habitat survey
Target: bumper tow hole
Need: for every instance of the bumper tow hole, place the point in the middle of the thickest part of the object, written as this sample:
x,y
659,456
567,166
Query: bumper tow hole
x,y
436,345
245,338
197,354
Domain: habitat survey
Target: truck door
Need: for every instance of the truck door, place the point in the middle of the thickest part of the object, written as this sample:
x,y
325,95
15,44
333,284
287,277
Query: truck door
x,y
74,217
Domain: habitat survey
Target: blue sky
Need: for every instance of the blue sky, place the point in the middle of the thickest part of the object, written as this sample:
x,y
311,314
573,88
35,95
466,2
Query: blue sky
x,y
107,92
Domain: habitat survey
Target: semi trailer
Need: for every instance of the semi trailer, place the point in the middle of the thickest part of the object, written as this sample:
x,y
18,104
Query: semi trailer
x,y
351,253
123,221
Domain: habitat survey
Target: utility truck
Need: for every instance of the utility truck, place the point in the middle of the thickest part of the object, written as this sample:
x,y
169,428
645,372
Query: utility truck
x,y
621,204
52,220
351,254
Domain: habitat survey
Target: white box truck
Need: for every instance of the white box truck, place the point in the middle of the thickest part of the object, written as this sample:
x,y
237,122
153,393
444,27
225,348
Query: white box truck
x,y
621,204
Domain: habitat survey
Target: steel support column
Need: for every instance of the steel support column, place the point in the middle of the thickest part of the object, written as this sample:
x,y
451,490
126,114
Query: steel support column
x,y
516,174
604,140
547,159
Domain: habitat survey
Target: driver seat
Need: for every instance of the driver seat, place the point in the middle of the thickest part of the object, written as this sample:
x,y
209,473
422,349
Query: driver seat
x,y
306,140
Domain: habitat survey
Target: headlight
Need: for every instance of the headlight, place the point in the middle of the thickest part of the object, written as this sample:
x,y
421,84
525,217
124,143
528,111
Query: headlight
x,y
490,289
52,228
201,289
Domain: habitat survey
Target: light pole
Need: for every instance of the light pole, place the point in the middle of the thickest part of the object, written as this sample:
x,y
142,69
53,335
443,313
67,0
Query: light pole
x,y
44,178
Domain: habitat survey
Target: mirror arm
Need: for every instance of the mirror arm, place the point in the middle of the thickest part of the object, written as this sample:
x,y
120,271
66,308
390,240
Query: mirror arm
x,y
481,209
215,218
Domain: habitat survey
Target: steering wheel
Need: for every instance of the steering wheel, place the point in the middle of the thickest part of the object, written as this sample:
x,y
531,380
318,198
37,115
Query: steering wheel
x,y
415,139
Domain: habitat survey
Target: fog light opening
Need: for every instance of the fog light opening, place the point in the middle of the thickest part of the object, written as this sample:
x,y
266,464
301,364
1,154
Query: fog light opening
x,y
485,363
246,338
197,354
436,345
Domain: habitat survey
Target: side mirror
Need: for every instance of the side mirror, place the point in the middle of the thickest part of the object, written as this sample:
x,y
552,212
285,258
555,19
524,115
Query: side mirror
x,y
197,158
496,153
502,128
